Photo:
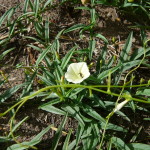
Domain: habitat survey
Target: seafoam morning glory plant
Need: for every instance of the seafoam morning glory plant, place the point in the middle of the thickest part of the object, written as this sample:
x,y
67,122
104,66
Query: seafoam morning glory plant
x,y
77,72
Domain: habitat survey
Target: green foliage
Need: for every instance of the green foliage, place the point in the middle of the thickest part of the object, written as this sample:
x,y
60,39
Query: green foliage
x,y
30,144
91,103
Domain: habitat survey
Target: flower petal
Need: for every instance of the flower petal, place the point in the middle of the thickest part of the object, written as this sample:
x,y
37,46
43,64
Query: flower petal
x,y
77,72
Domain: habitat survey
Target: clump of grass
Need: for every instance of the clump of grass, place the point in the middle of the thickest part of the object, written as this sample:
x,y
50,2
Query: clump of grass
x,y
97,100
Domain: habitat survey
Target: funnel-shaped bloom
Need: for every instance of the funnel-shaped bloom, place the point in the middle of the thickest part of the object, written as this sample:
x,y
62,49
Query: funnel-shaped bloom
x,y
119,106
77,72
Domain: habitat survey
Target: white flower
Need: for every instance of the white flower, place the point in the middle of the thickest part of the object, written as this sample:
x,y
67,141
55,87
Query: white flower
x,y
77,72
119,106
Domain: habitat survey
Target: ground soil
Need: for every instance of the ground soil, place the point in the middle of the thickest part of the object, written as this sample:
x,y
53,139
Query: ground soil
x,y
110,24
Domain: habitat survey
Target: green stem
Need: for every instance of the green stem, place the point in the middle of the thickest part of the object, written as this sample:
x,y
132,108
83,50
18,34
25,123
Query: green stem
x,y
70,86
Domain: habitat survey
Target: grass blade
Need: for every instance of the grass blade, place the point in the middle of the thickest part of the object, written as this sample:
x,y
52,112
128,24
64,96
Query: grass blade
x,y
66,143
26,3
5,53
43,54
119,144
139,146
92,44
36,7
75,27
124,55
46,4
34,141
47,31
67,57
58,133
52,109
10,92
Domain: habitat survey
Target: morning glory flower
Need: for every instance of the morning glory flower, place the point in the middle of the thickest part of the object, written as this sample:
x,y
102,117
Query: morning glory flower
x,y
77,72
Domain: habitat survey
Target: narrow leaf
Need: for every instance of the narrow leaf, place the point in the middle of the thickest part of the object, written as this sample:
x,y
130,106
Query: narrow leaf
x,y
66,143
92,44
75,27
52,109
125,52
119,144
31,143
10,92
139,146
5,53
58,133
43,54
67,57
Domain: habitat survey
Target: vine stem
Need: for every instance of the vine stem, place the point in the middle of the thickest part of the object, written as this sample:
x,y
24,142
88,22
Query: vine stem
x,y
90,87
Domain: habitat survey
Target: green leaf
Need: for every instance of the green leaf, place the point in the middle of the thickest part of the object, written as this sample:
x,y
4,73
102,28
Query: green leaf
x,y
9,17
10,92
110,145
6,52
47,31
130,5
105,73
43,54
29,81
145,92
52,102
31,143
35,47
93,16
92,44
25,15
136,134
139,146
123,115
92,112
114,127
47,81
39,29
74,111
47,3
66,143
119,144
72,145
35,39
12,28
148,119
79,134
75,27
67,57
129,65
58,73
31,5
6,40
36,7
4,139
72,93
18,125
58,133
52,109
124,55
26,3
101,37
3,17
94,139
138,53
